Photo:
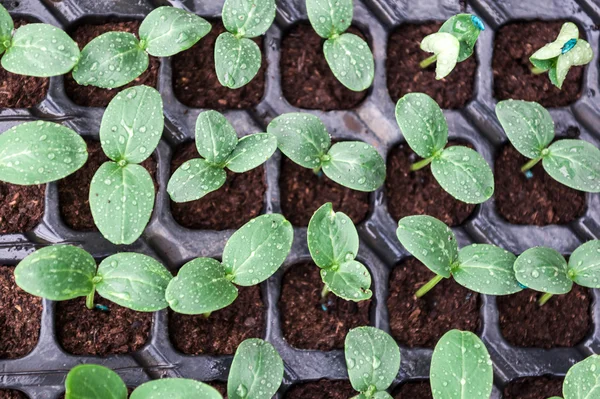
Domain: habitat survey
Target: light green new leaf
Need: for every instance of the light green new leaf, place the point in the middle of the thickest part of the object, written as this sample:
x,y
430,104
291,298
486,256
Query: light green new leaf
x,y
351,61
180,388
121,200
583,379
132,124
111,60
194,179
486,269
215,137
422,123
574,163
329,18
257,249
581,54
446,48
57,272
351,281
528,126
543,269
372,357
466,29
134,281
584,264
237,60
256,371
251,151
40,152
552,50
6,28
201,286
461,367
302,137
167,31
92,381
248,18
40,50
356,165
430,241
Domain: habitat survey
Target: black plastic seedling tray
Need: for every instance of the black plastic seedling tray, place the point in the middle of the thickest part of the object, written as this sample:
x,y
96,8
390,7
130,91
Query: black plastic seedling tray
x,y
41,374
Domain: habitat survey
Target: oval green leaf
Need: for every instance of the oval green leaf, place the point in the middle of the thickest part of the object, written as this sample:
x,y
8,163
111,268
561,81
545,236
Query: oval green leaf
x,y
351,281
181,387
215,137
543,269
351,61
251,152
237,60
248,18
329,18
574,163
583,379
445,47
355,165
194,179
461,26
92,381
6,28
581,54
584,264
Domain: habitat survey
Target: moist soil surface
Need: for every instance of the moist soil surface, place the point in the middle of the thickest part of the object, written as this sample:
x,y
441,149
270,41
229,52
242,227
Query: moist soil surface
x,y
514,44
73,190
306,79
12,394
305,323
21,207
235,203
81,331
404,75
539,200
421,322
224,330
563,321
20,317
533,388
322,389
303,192
418,193
414,390
91,96
195,81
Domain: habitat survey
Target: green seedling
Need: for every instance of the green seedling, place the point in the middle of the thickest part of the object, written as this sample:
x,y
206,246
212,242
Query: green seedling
x,y
333,245
460,171
237,57
40,50
63,272
114,59
545,270
180,388
530,129
559,56
217,143
348,56
583,380
461,367
252,254
482,268
453,43
304,139
373,361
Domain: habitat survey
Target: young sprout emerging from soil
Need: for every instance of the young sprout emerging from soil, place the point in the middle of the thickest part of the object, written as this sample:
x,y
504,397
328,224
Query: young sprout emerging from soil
x,y
252,254
256,371
35,49
122,191
582,380
453,43
348,56
217,143
461,367
237,57
460,171
545,270
304,139
562,54
482,268
530,129
62,272
114,59
373,361
40,152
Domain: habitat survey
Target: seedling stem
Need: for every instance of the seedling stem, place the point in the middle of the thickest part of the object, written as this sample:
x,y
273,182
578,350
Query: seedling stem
x,y
428,61
537,71
545,298
429,286
421,164
530,164
324,292
89,299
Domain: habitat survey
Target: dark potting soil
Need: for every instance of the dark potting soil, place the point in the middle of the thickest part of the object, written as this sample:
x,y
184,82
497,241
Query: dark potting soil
x,y
322,389
414,390
418,193
421,322
564,321
514,44
21,207
224,330
20,317
533,388
306,79
12,394
404,75
91,96
74,190
305,324
81,331
195,81
540,200
302,192
235,203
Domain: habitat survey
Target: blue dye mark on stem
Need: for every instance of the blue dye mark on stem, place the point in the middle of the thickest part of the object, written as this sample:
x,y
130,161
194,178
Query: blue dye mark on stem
x,y
101,308
568,46
528,174
477,22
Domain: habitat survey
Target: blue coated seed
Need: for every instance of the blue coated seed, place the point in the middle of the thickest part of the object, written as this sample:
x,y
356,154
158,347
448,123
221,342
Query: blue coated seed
x,y
477,22
523,286
528,174
568,46
101,308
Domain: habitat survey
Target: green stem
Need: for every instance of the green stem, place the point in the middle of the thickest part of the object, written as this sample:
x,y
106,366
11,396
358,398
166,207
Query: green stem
x,y
545,298
537,71
428,61
207,314
427,287
324,292
421,164
89,299
530,164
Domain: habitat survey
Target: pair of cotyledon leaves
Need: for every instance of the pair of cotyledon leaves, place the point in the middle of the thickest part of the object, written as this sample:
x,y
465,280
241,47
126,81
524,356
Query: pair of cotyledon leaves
x,y
530,129
582,380
460,171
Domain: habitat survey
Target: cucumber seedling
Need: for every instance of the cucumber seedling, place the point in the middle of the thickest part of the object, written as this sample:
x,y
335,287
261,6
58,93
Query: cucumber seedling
x,y
461,171
582,380
482,268
530,129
